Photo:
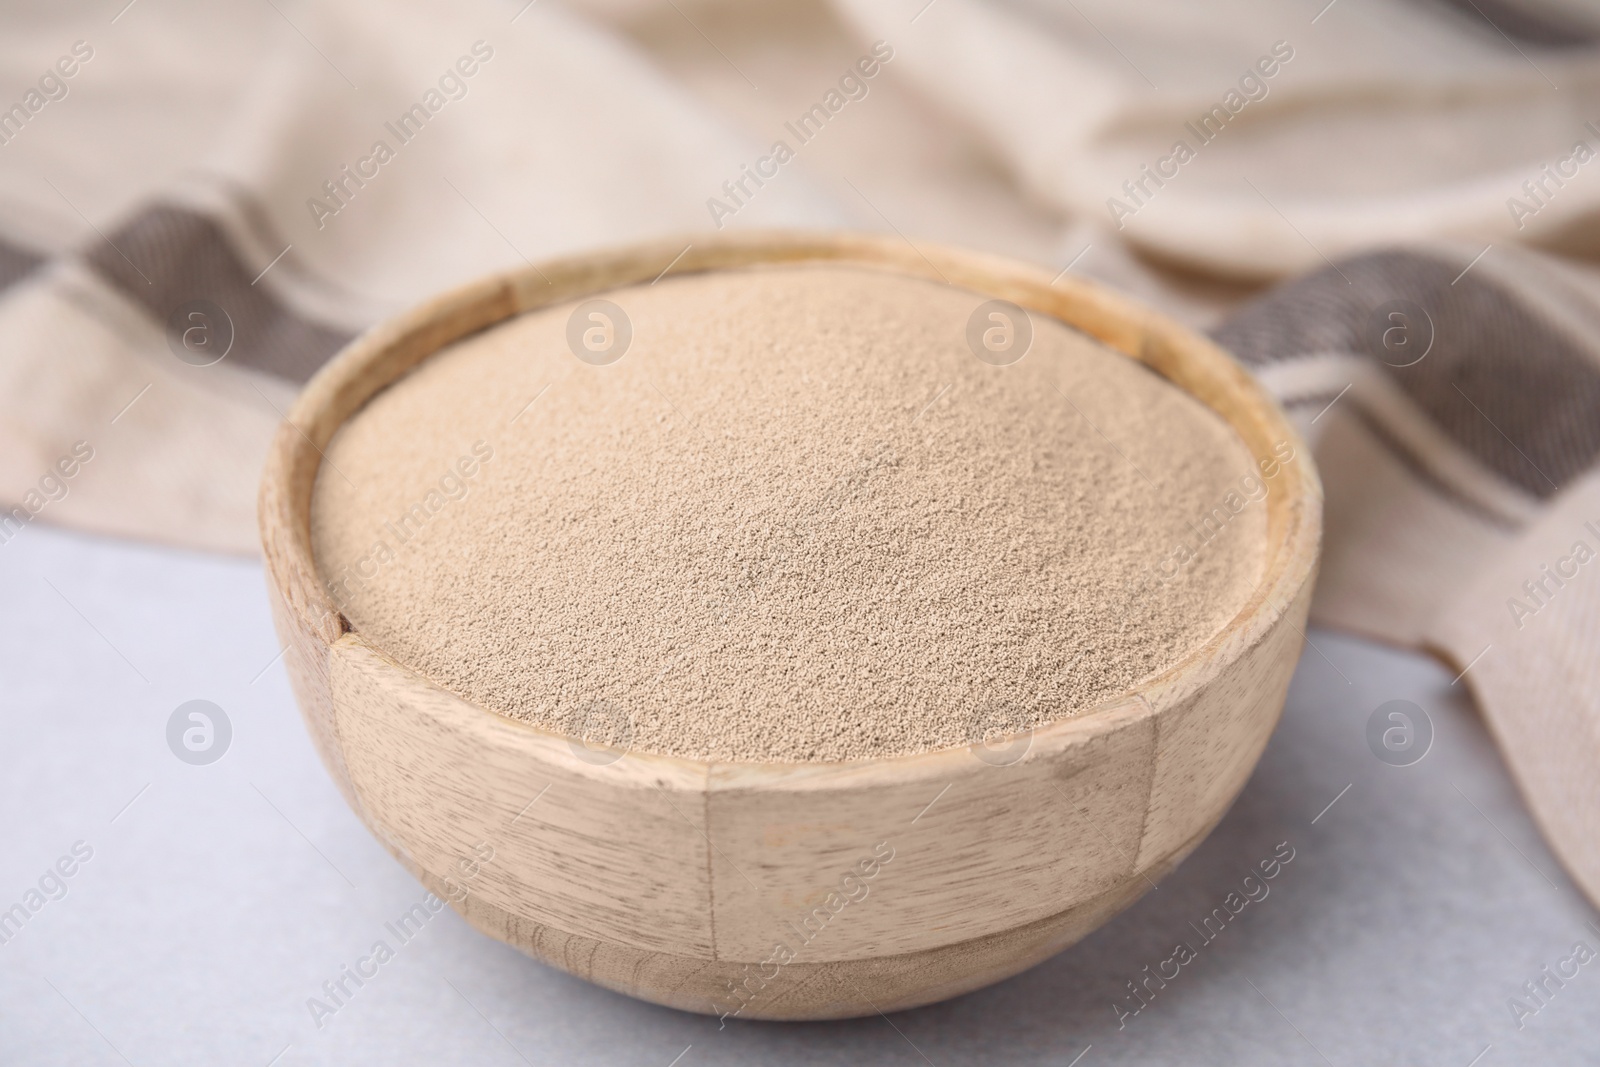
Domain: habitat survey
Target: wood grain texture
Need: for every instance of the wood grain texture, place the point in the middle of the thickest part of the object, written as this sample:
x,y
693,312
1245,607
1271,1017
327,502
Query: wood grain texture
x,y
805,990
790,891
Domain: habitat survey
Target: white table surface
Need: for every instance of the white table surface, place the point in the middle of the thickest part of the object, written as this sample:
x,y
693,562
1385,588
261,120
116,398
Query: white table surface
x,y
222,897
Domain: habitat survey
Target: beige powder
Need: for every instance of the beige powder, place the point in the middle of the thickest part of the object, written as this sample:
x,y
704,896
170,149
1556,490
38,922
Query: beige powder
x,y
798,520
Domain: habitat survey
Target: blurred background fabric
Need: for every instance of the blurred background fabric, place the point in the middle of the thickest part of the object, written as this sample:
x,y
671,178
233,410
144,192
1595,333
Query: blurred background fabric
x,y
1329,187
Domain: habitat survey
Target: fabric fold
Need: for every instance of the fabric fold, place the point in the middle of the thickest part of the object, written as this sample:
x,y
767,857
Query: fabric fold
x,y
1454,403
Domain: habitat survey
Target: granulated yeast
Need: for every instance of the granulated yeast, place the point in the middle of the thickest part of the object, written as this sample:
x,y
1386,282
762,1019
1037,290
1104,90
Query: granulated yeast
x,y
798,520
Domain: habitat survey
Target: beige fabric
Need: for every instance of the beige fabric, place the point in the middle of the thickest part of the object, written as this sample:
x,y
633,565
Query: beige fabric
x,y
1453,480
1394,547
172,444
1533,669
1391,121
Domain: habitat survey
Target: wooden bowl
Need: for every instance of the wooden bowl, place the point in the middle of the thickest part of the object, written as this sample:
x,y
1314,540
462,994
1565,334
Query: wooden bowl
x,y
800,891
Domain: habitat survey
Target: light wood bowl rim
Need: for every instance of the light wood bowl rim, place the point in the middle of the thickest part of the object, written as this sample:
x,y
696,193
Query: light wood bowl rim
x,y
1210,375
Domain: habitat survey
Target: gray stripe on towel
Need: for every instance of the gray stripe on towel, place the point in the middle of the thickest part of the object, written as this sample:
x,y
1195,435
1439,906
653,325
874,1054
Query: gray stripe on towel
x,y
16,263
1531,24
178,255
1503,381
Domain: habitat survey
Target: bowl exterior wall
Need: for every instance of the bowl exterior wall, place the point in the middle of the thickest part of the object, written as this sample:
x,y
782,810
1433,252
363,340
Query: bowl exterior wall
x,y
805,891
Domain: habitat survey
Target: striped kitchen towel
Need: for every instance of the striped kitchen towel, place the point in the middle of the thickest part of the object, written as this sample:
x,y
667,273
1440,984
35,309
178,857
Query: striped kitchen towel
x,y
1452,395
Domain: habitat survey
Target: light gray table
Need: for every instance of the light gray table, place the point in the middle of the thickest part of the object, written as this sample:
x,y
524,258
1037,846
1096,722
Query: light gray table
x,y
219,898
